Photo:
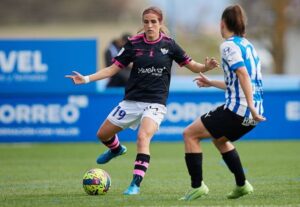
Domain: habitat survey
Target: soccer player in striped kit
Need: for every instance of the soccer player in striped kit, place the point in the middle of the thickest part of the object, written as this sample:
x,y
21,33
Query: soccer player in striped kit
x,y
241,112
152,53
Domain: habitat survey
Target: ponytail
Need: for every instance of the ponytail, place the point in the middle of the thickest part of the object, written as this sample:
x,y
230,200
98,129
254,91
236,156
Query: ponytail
x,y
235,19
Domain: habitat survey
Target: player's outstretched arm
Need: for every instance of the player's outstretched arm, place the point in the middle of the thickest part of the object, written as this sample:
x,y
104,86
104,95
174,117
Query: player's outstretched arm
x,y
209,64
204,81
99,75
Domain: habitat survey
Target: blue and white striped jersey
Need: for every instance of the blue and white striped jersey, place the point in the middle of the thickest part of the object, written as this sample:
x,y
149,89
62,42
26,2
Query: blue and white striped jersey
x,y
238,52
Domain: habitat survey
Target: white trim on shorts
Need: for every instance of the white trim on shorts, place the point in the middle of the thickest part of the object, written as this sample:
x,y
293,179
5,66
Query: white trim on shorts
x,y
129,114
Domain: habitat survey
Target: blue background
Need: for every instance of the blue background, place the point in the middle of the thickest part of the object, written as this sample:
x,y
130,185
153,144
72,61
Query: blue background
x,y
62,57
99,105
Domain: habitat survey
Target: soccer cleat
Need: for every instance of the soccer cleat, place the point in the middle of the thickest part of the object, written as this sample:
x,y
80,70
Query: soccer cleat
x,y
133,189
108,155
240,191
195,193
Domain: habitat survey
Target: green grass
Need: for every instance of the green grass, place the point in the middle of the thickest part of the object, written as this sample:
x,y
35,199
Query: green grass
x,y
51,175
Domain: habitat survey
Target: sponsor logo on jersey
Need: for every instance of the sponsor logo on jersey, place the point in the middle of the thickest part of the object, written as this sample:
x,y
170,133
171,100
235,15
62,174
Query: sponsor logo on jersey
x,y
226,51
153,71
230,55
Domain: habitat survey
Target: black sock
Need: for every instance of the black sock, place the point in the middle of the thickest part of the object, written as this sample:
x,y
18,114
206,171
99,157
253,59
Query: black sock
x,y
140,167
234,164
194,165
113,144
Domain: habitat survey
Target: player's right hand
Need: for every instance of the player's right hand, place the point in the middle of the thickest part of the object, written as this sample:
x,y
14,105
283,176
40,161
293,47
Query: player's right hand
x,y
77,78
202,81
257,117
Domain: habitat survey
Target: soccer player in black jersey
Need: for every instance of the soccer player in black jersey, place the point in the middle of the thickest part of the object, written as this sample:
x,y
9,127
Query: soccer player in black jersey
x,y
152,53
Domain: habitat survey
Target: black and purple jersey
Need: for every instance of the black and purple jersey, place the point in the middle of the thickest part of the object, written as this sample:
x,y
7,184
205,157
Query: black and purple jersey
x,y
150,76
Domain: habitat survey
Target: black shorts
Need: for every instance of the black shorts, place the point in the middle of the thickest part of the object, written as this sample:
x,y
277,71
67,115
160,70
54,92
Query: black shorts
x,y
223,122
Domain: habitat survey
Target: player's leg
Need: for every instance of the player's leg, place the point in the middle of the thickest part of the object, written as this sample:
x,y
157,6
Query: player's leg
x,y
234,130
125,115
233,162
231,158
146,131
193,157
107,134
152,116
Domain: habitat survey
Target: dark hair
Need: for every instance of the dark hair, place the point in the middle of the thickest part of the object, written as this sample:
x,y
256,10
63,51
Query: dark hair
x,y
235,19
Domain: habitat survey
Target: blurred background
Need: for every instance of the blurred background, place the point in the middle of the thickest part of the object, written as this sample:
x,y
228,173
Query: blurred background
x,y
273,26
43,40
48,125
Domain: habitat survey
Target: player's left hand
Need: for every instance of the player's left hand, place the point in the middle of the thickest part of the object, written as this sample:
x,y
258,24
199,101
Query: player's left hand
x,y
211,63
259,118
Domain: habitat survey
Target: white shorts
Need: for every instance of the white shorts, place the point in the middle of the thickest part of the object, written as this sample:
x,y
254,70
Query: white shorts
x,y
128,114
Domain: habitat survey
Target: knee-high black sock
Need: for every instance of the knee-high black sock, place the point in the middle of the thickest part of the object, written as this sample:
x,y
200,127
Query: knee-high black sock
x,y
234,164
141,165
194,165
113,144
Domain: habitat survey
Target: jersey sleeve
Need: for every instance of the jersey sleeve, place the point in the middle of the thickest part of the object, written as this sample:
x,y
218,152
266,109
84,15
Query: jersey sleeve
x,y
179,55
124,57
232,55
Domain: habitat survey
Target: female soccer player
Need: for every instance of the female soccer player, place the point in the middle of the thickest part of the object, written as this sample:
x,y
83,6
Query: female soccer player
x,y
241,112
152,53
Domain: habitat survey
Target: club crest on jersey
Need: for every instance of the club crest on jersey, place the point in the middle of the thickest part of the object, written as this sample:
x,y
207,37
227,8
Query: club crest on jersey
x,y
164,51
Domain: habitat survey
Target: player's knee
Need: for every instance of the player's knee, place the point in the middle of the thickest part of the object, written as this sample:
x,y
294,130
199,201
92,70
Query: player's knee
x,y
142,137
223,144
102,135
185,133
188,135
99,134
217,143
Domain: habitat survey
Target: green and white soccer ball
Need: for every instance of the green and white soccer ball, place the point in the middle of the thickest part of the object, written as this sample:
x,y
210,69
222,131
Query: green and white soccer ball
x,y
96,182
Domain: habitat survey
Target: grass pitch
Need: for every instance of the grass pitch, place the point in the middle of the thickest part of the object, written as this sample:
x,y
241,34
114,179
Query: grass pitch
x,y
51,175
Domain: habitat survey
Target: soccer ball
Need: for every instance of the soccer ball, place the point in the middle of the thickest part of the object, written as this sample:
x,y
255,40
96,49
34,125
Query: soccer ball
x,y
96,182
